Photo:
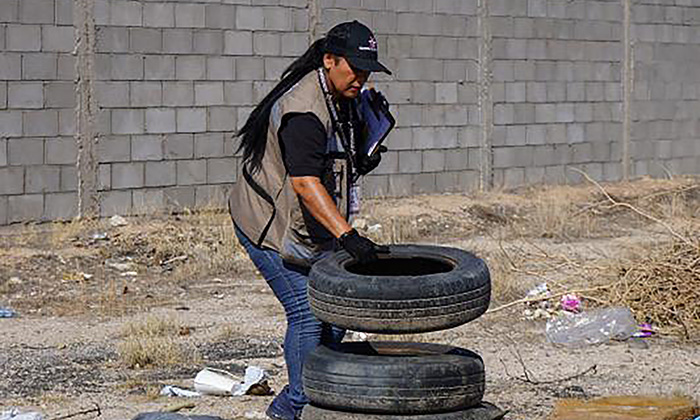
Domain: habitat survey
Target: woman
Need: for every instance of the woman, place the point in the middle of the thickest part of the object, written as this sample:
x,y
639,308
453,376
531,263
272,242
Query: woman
x,y
297,189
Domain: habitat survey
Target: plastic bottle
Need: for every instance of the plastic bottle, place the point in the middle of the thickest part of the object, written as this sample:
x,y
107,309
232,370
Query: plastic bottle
x,y
592,327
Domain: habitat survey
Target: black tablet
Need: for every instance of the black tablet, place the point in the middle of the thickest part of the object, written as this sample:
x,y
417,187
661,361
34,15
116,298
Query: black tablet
x,y
374,112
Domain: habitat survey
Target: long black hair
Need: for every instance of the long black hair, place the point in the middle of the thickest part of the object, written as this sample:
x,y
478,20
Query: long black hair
x,y
254,132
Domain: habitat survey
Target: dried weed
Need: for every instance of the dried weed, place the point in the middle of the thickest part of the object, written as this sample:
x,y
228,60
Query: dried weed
x,y
194,244
662,286
154,342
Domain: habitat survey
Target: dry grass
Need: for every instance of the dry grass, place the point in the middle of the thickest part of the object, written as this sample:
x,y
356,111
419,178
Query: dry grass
x,y
395,230
527,236
569,213
661,284
151,391
507,273
154,342
64,267
194,244
554,217
662,287
523,233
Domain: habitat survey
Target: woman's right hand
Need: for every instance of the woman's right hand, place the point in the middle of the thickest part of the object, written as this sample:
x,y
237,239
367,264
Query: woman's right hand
x,y
361,248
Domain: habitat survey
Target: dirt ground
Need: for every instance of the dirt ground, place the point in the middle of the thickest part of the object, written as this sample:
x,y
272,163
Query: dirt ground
x,y
108,315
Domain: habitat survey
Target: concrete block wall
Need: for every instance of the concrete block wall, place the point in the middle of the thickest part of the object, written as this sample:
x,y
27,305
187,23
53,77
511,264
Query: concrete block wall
x,y
557,90
174,79
37,109
431,47
666,94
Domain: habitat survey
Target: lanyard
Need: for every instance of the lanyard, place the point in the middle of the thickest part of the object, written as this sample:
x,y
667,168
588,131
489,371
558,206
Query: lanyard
x,y
348,144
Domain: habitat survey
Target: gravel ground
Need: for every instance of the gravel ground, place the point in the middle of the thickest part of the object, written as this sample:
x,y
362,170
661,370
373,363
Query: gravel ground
x,y
62,355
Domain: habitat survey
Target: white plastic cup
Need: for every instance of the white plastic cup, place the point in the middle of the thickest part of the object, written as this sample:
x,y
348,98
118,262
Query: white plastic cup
x,y
210,381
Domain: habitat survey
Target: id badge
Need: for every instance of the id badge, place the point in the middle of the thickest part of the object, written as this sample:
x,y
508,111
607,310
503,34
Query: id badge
x,y
354,200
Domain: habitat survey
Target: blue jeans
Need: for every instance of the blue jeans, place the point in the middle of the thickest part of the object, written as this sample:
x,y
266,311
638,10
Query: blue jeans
x,y
304,332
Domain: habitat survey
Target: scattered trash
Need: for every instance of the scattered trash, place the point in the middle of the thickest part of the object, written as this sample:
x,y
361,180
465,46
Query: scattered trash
x,y
116,221
539,313
374,228
172,260
7,313
644,330
14,414
129,274
592,327
542,309
86,276
570,303
359,223
119,265
540,290
173,391
99,236
254,383
625,408
210,381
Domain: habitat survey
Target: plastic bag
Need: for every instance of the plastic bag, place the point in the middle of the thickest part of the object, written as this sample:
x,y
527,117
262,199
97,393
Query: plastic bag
x,y
173,391
592,327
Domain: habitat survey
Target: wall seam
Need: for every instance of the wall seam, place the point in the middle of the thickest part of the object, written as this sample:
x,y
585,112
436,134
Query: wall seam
x,y
314,20
86,108
485,97
627,86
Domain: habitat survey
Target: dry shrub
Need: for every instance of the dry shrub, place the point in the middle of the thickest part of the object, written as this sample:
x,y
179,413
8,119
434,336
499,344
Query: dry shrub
x,y
663,287
580,212
559,219
152,326
394,230
193,244
61,233
507,281
154,342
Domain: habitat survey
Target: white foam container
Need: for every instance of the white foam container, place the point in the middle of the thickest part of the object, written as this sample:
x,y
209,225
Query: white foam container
x,y
212,381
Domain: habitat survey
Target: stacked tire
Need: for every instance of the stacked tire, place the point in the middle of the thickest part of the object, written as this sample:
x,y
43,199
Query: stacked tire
x,y
413,289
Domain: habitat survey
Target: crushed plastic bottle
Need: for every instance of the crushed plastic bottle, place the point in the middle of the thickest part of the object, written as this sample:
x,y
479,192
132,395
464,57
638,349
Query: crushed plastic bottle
x,y
15,414
7,313
592,327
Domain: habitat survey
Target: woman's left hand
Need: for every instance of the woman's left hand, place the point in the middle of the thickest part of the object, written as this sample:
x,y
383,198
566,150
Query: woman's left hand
x,y
366,164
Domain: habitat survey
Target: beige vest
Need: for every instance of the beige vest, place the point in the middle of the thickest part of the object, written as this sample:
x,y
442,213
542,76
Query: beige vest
x,y
263,204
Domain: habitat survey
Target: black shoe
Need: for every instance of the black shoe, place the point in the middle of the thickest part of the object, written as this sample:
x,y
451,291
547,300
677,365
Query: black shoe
x,y
280,408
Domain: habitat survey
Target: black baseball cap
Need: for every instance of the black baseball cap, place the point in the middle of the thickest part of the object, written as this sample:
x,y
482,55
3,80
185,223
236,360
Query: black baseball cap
x,y
357,44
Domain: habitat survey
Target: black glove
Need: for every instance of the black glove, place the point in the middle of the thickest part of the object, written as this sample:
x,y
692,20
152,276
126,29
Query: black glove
x,y
361,248
366,164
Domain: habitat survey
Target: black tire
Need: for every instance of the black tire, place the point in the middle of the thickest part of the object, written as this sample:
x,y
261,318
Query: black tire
x,y
394,378
484,411
413,289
